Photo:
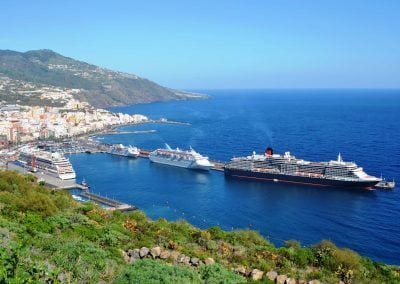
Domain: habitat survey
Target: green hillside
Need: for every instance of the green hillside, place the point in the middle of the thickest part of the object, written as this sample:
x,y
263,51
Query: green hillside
x,y
48,237
99,86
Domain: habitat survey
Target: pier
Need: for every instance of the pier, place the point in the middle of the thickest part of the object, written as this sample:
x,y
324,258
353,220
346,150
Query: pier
x,y
57,183
49,180
111,203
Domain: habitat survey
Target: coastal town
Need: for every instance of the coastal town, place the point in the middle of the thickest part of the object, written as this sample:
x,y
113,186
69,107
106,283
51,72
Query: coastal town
x,y
66,117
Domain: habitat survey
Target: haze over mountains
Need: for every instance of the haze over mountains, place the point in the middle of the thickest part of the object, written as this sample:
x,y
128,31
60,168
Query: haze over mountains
x,y
98,86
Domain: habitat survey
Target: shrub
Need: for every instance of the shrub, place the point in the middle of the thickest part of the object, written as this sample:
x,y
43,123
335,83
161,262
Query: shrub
x,y
323,253
299,256
292,244
84,260
217,233
35,223
38,202
152,271
217,274
347,258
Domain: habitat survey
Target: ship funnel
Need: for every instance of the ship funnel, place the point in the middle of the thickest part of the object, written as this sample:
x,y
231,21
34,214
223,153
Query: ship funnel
x,y
269,151
339,158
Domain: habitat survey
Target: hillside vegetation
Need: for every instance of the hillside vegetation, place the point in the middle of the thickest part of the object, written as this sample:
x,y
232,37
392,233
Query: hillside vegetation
x,y
45,236
99,86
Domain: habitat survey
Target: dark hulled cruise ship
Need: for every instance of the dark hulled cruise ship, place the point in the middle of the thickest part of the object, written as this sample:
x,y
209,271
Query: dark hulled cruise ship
x,y
287,168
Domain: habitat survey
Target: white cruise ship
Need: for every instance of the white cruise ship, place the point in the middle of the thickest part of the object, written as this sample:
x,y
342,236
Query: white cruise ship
x,y
51,163
179,158
126,151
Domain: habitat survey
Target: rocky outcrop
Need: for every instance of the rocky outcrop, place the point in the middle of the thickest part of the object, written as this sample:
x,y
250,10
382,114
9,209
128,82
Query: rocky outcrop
x,y
281,279
132,255
271,275
183,259
256,274
143,252
209,261
174,255
241,270
155,252
195,261
165,254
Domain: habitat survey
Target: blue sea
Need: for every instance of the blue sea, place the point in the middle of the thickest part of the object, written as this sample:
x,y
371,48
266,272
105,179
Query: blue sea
x,y
363,125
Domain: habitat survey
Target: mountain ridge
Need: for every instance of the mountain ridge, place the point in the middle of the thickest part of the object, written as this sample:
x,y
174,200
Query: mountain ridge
x,y
101,87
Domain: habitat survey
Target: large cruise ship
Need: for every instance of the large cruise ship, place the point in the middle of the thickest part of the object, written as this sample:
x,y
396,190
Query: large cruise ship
x,y
179,158
126,151
286,168
55,164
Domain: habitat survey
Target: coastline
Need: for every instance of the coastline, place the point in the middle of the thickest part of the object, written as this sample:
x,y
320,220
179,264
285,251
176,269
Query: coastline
x,y
110,130
125,241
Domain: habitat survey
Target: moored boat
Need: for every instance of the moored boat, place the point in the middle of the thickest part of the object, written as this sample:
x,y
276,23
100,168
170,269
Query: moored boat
x,y
287,168
125,151
384,184
52,163
189,159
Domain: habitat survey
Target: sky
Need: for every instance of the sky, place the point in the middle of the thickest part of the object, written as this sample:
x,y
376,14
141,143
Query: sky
x,y
219,44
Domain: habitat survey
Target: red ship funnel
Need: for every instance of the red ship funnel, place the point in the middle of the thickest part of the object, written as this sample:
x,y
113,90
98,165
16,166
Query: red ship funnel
x,y
269,151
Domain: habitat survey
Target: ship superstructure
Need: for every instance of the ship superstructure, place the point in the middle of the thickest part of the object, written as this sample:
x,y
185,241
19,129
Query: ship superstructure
x,y
287,168
126,151
185,159
53,163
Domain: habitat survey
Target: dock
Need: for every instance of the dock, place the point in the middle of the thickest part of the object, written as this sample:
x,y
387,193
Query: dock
x,y
57,183
49,180
112,203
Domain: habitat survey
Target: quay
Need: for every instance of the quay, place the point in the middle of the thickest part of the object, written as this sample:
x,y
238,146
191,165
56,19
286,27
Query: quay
x,y
57,183
111,203
49,180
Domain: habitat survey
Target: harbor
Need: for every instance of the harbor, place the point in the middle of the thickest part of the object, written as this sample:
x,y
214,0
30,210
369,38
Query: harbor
x,y
94,146
70,184
90,145
208,198
49,180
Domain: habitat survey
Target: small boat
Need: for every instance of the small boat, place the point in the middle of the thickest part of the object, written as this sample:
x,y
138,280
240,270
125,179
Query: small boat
x,y
85,184
77,198
384,184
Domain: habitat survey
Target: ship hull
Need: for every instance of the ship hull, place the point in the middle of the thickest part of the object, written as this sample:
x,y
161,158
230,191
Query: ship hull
x,y
125,154
187,164
46,169
301,180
